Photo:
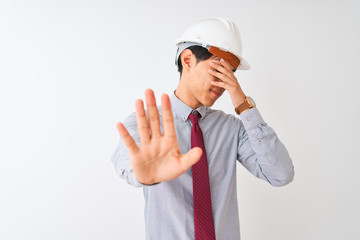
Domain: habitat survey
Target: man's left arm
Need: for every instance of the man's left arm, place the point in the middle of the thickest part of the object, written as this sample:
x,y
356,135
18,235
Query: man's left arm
x,y
261,152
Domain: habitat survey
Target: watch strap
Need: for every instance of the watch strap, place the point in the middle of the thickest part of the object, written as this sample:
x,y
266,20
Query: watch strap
x,y
245,105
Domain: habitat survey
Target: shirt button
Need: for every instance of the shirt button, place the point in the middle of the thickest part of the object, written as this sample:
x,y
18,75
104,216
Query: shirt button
x,y
248,119
260,140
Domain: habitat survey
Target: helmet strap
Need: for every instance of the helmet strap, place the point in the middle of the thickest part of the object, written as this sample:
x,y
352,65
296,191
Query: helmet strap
x,y
227,56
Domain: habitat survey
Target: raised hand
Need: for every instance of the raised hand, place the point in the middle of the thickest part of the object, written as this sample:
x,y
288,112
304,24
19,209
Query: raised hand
x,y
224,72
158,157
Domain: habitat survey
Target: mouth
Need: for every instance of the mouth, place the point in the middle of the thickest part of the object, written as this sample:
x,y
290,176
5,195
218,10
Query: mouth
x,y
217,93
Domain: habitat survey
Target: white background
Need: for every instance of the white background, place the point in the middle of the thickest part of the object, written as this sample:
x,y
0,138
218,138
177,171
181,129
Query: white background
x,y
70,70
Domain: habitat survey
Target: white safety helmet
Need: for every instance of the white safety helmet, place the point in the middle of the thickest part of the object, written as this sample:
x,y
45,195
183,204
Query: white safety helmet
x,y
219,35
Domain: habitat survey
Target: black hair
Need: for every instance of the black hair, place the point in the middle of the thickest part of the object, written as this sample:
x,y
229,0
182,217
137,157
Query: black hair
x,y
200,53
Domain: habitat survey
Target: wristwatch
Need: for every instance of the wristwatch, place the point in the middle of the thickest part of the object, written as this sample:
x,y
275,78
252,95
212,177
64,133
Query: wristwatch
x,y
249,103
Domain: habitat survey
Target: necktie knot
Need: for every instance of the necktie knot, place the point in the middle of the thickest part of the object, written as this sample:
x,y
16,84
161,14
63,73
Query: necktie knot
x,y
194,117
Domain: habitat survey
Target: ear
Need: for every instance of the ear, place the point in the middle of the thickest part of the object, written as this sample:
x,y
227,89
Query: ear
x,y
188,59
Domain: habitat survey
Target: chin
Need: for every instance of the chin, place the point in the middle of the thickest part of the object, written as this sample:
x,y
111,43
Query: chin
x,y
209,104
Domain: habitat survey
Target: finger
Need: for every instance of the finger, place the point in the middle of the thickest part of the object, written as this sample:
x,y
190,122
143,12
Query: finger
x,y
167,117
217,66
220,84
127,139
142,123
152,113
190,158
218,75
227,65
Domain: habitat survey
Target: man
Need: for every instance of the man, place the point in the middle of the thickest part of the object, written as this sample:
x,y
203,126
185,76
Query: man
x,y
184,153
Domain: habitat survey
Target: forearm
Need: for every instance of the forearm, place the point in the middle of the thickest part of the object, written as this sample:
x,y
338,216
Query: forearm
x,y
265,155
121,157
121,161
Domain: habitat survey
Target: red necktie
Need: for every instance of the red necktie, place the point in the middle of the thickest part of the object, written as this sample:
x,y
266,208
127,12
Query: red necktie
x,y
203,217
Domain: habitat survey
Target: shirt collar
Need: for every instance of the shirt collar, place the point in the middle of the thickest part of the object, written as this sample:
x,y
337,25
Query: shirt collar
x,y
183,110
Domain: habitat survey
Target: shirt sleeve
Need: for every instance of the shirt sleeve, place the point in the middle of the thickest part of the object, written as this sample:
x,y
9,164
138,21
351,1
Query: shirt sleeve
x,y
121,157
261,152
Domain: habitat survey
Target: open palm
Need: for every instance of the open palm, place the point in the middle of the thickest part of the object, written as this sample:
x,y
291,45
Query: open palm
x,y
158,157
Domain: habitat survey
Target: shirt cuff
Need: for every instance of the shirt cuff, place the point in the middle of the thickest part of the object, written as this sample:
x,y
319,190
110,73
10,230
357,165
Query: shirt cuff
x,y
251,118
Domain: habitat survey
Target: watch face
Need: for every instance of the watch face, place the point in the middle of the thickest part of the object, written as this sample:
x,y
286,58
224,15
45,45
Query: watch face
x,y
252,101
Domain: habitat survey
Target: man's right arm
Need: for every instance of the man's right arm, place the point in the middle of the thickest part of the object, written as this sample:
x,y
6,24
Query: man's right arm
x,y
121,157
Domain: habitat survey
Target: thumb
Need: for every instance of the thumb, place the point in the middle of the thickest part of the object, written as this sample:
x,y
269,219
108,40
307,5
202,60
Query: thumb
x,y
190,158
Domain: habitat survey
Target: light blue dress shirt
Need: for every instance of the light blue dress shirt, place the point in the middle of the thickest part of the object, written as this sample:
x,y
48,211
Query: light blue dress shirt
x,y
249,140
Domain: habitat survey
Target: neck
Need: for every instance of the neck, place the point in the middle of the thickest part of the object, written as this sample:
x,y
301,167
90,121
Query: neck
x,y
185,95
